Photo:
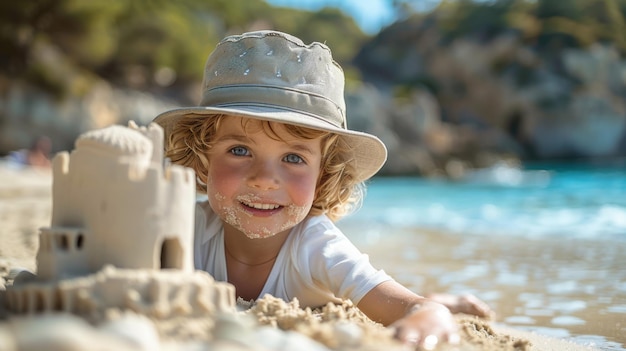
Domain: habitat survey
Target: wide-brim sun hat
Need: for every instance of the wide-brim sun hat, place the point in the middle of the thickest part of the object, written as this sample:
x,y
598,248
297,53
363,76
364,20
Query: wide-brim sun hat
x,y
274,76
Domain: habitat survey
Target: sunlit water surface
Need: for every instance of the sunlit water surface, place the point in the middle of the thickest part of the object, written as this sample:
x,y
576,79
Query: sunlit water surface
x,y
544,246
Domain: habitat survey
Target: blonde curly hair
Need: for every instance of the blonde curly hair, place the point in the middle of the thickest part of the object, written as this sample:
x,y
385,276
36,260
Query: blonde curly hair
x,y
337,193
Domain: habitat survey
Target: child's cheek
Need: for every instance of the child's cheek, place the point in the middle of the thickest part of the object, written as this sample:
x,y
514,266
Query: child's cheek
x,y
216,198
297,213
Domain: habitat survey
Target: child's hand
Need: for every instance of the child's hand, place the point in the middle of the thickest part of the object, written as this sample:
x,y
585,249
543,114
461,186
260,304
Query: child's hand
x,y
468,304
416,320
428,325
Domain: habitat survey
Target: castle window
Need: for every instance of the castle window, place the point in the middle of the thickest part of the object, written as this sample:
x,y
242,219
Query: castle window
x,y
62,242
171,254
79,241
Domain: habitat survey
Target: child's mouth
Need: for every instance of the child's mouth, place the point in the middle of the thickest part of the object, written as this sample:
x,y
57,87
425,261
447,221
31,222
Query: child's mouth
x,y
261,206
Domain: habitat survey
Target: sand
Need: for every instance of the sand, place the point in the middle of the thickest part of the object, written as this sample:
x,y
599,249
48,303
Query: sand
x,y
272,324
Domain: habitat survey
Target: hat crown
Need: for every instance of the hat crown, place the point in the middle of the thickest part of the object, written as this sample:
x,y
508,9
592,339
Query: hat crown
x,y
274,69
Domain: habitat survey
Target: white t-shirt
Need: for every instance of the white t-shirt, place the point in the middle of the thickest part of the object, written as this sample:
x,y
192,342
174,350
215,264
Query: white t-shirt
x,y
317,263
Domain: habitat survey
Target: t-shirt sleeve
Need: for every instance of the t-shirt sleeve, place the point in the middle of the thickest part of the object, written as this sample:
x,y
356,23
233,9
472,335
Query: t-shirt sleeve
x,y
336,264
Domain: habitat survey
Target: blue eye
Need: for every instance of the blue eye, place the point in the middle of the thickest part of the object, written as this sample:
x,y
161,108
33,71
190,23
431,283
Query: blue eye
x,y
293,158
239,151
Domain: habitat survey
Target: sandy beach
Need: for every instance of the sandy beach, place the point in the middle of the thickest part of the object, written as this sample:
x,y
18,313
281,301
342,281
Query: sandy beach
x,y
25,206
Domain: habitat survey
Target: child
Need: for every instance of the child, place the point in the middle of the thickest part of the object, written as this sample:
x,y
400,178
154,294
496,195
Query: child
x,y
271,149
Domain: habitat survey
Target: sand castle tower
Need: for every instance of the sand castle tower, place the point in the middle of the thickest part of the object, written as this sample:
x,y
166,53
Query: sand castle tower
x,y
114,203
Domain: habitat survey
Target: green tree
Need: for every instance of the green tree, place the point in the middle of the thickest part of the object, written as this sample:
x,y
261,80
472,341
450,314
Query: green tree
x,y
63,45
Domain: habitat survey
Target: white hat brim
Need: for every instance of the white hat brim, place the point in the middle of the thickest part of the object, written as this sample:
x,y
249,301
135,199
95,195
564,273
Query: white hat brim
x,y
369,151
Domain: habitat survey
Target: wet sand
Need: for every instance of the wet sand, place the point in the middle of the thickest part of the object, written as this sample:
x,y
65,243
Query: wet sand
x,y
566,288
451,264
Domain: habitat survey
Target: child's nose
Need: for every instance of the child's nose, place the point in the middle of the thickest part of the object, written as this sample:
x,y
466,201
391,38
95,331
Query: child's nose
x,y
263,176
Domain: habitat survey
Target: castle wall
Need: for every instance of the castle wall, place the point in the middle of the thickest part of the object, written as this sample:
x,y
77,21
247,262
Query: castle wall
x,y
157,294
132,221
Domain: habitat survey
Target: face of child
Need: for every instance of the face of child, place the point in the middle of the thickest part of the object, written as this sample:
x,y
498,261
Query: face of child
x,y
257,184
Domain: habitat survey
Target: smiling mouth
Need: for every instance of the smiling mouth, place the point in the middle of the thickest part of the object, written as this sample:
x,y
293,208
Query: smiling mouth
x,y
260,206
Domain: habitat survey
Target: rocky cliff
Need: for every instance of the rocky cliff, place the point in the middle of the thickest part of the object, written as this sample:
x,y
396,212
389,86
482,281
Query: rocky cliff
x,y
448,104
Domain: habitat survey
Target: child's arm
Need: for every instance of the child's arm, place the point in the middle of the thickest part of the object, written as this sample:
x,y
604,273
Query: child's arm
x,y
417,320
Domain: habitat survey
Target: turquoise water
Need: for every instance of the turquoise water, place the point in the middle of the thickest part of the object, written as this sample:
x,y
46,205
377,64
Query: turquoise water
x,y
576,200
544,246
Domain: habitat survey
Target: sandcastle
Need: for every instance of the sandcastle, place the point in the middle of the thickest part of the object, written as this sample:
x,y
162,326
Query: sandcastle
x,y
121,233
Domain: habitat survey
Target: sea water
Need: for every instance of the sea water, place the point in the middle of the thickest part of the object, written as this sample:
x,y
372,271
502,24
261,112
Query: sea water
x,y
544,245
575,200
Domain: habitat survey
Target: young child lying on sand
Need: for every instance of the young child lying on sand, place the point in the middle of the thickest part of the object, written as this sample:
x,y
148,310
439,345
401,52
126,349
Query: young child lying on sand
x,y
271,149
